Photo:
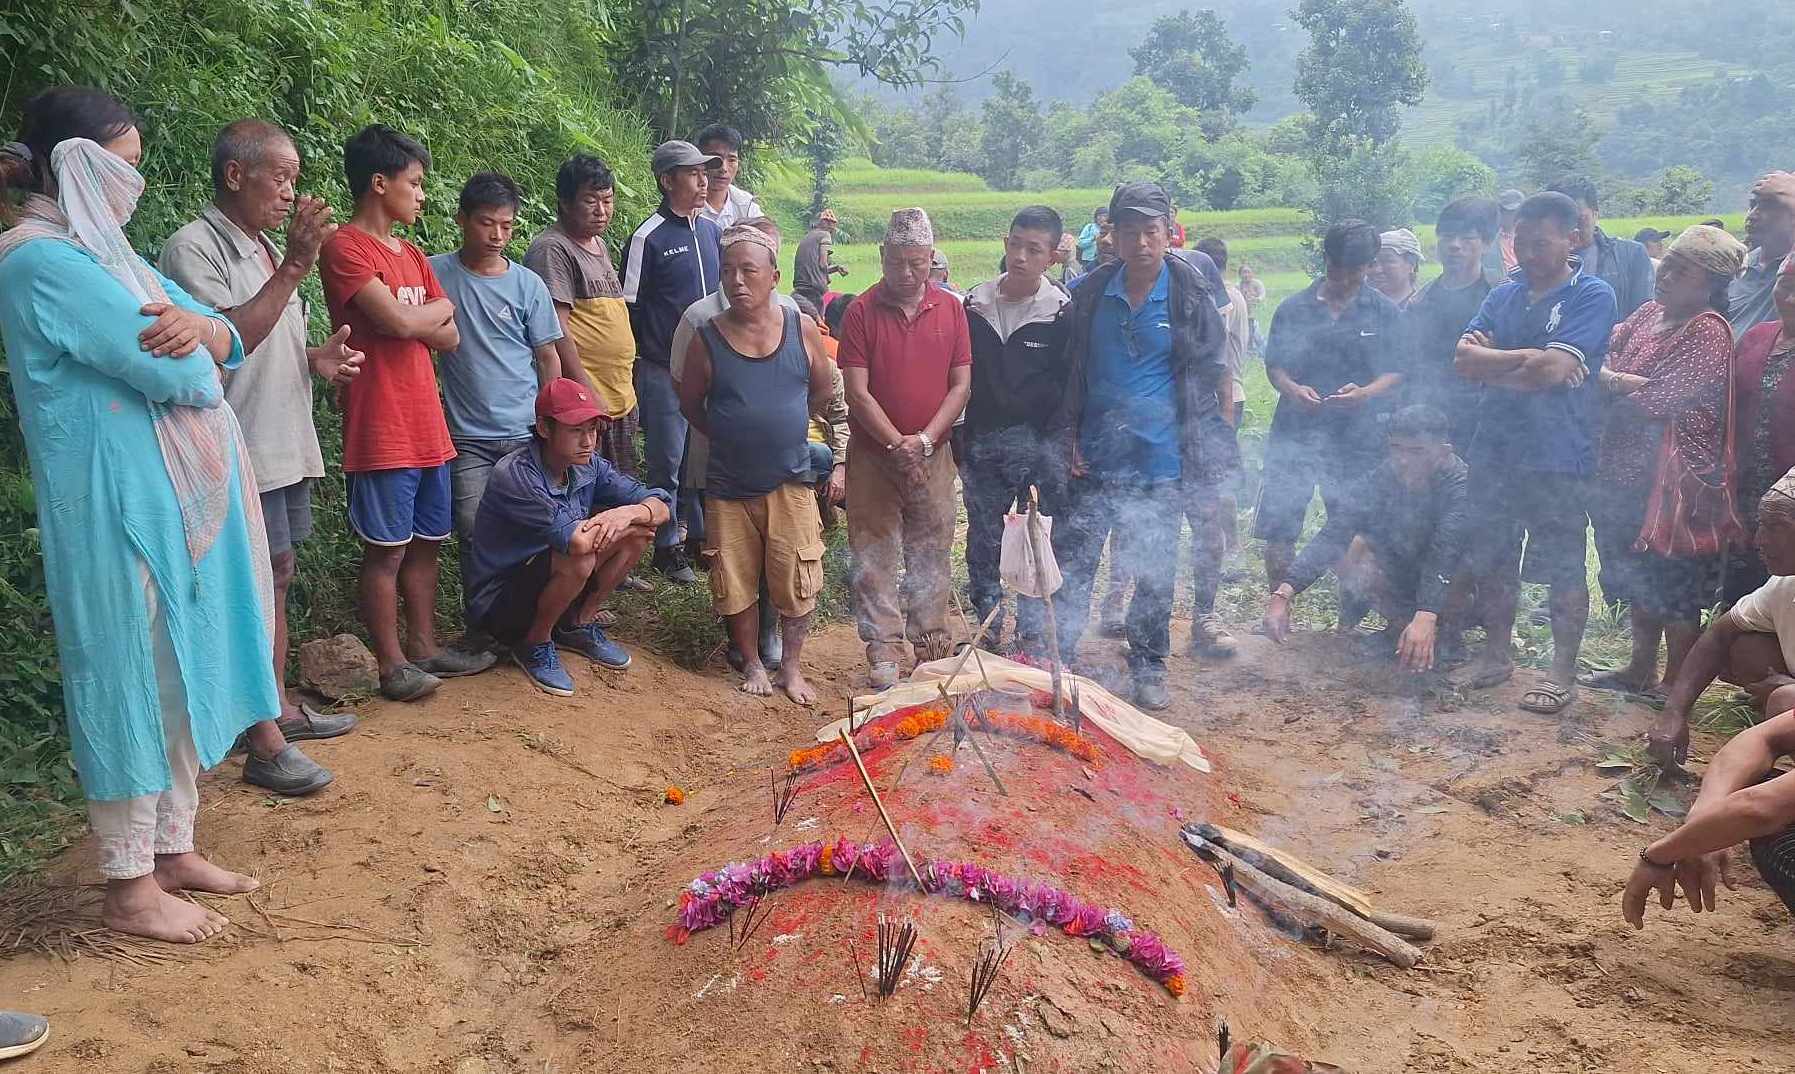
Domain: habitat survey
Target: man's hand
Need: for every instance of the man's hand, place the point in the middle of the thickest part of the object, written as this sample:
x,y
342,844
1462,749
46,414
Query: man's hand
x,y
176,332
1415,649
1075,464
308,229
1639,887
1349,397
1277,618
908,455
838,270
1304,396
838,484
335,361
1623,383
1481,339
1668,740
1698,877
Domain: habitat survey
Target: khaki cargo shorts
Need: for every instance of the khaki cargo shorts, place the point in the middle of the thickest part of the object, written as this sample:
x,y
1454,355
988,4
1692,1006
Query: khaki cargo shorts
x,y
778,537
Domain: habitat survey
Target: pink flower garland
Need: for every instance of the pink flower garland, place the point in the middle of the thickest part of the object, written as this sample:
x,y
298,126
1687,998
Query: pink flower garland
x,y
709,900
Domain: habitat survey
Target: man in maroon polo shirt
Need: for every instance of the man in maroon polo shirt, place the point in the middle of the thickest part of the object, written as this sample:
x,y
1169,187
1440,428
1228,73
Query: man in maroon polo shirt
x,y
906,358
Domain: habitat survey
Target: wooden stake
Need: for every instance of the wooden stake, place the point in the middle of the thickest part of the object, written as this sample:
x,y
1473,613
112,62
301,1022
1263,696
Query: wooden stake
x,y
854,751
1053,627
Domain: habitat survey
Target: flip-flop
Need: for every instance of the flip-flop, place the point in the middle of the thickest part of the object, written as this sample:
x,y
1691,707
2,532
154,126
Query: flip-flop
x,y
1558,698
1611,681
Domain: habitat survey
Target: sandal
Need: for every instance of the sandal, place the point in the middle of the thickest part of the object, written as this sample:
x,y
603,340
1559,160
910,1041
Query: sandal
x,y
1612,681
1484,678
1547,698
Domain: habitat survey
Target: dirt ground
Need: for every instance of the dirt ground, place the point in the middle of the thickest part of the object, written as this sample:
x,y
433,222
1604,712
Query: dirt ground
x,y
487,887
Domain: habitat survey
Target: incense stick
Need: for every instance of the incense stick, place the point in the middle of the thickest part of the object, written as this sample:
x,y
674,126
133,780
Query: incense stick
x,y
896,942
985,967
785,790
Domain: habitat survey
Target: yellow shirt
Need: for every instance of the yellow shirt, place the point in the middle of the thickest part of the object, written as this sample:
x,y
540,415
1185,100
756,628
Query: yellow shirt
x,y
601,331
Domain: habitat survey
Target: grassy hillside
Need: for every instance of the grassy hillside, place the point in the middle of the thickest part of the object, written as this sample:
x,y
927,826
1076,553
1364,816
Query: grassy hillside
x,y
1658,72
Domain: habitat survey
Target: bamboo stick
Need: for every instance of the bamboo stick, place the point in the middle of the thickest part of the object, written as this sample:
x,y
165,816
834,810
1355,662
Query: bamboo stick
x,y
1309,909
867,779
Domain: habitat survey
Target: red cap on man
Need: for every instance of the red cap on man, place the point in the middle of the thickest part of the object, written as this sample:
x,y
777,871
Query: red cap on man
x,y
567,402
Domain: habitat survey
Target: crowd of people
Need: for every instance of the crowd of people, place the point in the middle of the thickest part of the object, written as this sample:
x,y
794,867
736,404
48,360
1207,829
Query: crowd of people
x,y
578,430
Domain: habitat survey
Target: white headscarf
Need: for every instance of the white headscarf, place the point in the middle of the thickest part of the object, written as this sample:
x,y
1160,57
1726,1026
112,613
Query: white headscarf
x,y
96,194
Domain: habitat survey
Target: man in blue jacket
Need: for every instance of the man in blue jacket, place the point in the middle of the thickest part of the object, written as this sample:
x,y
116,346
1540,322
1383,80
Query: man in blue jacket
x,y
673,260
1622,263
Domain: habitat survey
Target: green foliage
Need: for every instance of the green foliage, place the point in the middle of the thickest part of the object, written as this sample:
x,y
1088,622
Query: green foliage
x,y
1438,175
1362,64
1011,129
1193,58
1559,141
821,149
1678,189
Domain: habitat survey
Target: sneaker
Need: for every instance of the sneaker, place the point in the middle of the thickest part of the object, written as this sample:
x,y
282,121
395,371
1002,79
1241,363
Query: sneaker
x,y
1209,637
311,724
590,642
407,682
674,566
453,661
1150,693
543,665
882,675
22,1034
289,772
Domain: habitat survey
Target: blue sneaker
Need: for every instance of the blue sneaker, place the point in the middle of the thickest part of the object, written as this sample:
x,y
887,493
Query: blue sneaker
x,y
590,642
543,665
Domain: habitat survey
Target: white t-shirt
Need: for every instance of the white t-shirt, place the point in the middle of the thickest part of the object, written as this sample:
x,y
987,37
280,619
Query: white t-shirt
x,y
1770,609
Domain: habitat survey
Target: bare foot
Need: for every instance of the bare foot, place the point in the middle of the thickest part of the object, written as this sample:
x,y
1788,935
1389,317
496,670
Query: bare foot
x,y
141,908
191,872
796,687
755,681
1487,671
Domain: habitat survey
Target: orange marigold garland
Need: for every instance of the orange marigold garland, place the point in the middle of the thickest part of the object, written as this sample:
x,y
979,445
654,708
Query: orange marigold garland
x,y
675,796
914,722
941,764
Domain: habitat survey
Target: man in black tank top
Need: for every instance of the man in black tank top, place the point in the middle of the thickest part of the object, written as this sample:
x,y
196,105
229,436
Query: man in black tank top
x,y
752,378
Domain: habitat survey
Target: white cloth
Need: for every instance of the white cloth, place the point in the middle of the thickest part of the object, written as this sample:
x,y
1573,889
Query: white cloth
x,y
739,207
1141,734
1770,609
132,831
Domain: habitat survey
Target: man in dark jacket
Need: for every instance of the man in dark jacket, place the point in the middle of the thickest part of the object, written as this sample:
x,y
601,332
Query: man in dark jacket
x,y
1395,542
1145,435
1018,333
1622,262
672,261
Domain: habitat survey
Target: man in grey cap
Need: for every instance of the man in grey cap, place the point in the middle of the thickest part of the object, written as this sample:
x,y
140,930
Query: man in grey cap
x,y
1499,259
673,260
1653,240
1146,441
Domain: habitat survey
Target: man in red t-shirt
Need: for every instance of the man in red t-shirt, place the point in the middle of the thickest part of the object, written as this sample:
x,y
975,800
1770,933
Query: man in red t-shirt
x,y
395,442
906,358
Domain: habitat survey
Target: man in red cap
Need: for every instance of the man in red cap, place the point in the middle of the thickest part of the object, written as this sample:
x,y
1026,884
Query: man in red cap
x,y
557,529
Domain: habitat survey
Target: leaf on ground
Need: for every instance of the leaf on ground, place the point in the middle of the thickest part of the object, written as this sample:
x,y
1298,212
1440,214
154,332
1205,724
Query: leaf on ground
x,y
1665,801
1431,810
1575,816
493,805
1634,805
1615,762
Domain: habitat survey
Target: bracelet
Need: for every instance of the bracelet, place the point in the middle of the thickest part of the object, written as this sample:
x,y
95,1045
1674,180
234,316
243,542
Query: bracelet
x,y
1645,858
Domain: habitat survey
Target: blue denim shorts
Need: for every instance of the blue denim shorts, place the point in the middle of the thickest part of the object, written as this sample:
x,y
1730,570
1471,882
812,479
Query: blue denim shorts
x,y
390,507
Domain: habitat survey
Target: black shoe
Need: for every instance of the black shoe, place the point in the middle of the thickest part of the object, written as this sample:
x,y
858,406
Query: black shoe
x,y
1150,694
289,772
674,566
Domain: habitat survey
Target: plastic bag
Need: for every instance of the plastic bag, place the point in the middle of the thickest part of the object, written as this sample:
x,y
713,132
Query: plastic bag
x,y
1016,558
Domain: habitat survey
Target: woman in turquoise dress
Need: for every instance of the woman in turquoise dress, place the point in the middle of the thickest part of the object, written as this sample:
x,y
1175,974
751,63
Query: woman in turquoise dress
x,y
154,556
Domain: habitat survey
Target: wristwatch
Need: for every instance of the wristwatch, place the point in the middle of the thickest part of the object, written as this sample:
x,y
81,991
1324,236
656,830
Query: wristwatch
x,y
928,446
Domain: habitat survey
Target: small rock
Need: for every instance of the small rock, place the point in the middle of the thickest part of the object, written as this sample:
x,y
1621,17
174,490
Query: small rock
x,y
193,1050
1385,853
339,667
473,1064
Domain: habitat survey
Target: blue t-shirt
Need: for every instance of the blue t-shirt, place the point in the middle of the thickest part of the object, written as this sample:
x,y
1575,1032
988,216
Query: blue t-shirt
x,y
1130,429
489,382
1552,430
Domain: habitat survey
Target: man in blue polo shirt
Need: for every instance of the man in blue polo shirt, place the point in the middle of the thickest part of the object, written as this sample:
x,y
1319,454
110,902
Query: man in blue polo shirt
x,y
1536,347
556,531
1147,442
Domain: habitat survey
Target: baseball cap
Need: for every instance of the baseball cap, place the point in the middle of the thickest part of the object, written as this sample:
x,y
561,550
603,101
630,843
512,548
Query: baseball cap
x,y
678,154
938,261
1510,200
1650,234
1141,199
567,401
